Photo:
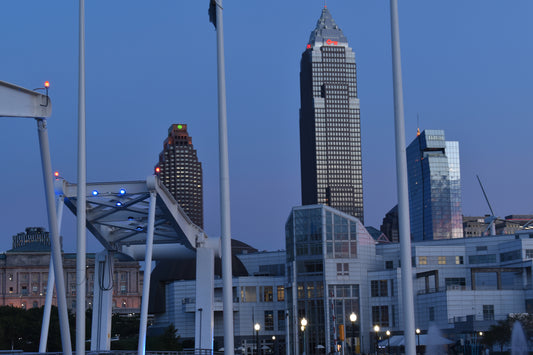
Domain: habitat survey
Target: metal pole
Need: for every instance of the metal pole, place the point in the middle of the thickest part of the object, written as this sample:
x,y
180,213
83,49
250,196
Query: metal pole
x,y
147,273
225,222
403,195
353,338
54,232
50,286
81,202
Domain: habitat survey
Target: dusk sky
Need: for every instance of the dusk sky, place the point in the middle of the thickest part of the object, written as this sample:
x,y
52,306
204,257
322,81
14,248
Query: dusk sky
x,y
467,69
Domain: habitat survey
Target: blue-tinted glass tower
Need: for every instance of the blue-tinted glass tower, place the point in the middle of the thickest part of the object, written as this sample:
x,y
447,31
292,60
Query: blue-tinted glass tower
x,y
434,187
330,130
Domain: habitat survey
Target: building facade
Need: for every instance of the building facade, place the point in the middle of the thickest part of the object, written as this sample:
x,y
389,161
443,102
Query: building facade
x,y
434,180
258,297
24,275
334,268
181,172
328,255
330,129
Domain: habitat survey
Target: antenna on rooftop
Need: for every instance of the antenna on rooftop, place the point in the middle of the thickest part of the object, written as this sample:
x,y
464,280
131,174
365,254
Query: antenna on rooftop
x,y
492,218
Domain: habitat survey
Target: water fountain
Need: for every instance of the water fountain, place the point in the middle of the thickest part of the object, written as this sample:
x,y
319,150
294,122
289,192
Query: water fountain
x,y
435,342
518,340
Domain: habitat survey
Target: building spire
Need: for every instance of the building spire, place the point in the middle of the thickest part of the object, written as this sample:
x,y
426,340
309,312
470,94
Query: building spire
x,y
327,32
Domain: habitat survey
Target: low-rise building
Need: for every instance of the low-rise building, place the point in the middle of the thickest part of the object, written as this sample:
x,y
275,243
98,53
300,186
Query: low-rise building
x,y
333,268
24,275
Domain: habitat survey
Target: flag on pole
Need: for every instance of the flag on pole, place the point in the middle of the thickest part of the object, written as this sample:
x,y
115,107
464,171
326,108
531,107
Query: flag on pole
x,y
213,12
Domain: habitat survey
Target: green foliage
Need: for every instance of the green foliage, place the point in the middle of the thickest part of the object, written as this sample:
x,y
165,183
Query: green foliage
x,y
21,329
127,330
500,333
168,341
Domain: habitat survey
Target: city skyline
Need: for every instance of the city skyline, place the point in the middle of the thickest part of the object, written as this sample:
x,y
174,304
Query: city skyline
x,y
461,74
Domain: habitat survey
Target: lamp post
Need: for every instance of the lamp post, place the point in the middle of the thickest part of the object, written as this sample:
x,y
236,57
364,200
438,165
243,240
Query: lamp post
x,y
257,327
388,341
480,334
353,319
303,323
376,331
417,339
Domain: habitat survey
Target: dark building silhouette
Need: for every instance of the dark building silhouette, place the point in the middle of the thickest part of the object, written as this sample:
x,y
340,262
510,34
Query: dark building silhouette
x,y
390,226
181,172
330,131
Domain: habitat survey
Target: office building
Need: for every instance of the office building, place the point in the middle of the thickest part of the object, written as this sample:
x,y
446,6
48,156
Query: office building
x,y
434,180
258,297
181,172
330,130
329,254
332,267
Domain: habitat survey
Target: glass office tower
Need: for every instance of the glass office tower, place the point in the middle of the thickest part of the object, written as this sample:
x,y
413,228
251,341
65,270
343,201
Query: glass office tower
x,y
434,187
330,131
328,255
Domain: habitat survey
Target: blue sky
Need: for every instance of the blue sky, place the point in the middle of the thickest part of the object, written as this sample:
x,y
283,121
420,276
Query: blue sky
x,y
466,69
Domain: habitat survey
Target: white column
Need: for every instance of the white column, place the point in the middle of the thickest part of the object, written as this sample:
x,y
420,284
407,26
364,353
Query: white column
x,y
403,195
81,281
102,301
147,273
205,283
50,285
225,220
54,236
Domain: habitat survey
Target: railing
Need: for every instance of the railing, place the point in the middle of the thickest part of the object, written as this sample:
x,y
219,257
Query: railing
x,y
123,352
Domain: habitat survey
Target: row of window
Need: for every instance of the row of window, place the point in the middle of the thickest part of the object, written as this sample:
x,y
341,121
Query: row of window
x,y
266,294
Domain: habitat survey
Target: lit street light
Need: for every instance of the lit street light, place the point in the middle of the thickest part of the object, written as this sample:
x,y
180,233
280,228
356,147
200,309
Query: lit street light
x,y
353,319
257,327
376,331
303,322
417,339
388,341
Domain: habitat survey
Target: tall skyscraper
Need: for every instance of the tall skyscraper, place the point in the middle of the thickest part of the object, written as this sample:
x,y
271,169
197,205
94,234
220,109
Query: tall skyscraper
x,y
330,130
434,176
181,172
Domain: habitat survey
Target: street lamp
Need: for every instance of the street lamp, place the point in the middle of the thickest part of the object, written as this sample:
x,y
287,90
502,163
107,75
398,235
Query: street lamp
x,y
388,341
303,323
257,327
417,339
353,319
376,331
478,341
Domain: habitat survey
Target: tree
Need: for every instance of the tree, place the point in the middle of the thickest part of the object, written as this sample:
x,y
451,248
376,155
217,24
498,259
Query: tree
x,y
498,334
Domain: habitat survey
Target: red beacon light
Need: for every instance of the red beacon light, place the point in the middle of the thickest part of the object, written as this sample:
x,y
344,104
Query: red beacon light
x,y
308,46
157,170
56,174
47,84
